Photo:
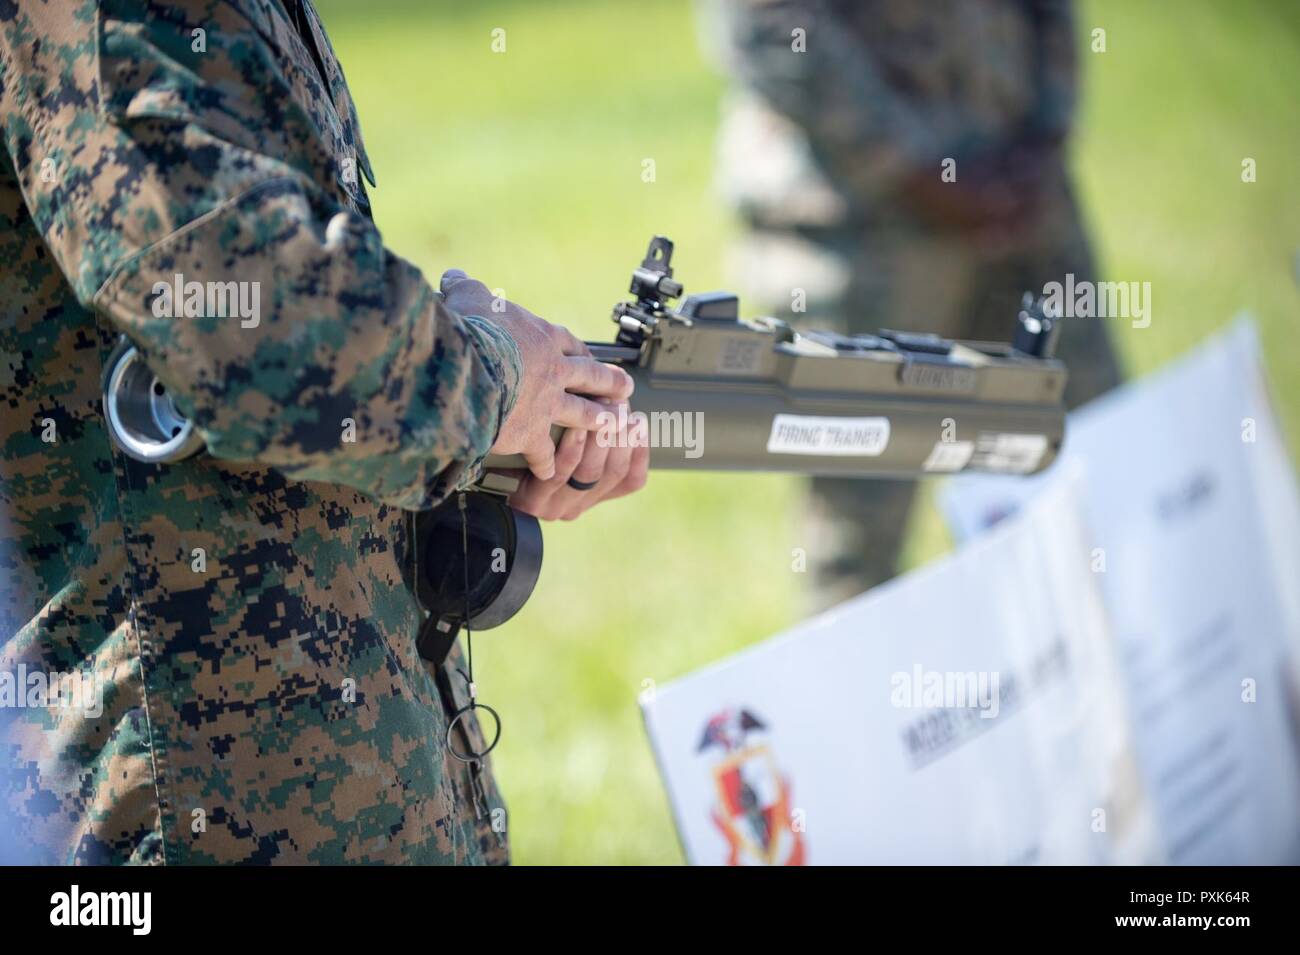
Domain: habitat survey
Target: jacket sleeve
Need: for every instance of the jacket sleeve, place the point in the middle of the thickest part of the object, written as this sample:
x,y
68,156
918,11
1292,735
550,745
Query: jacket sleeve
x,y
192,200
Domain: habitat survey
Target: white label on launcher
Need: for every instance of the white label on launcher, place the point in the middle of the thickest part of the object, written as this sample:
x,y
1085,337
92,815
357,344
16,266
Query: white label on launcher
x,y
815,434
949,456
1012,453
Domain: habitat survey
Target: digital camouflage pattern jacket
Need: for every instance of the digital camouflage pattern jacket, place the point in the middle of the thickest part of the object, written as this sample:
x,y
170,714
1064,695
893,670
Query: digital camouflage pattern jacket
x,y
243,614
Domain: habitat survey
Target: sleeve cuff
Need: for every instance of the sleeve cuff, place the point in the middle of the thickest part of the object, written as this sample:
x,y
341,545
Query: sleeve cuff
x,y
502,357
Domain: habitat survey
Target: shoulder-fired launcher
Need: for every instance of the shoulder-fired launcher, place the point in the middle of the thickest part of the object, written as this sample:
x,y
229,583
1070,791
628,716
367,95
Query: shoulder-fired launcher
x,y
725,394
720,393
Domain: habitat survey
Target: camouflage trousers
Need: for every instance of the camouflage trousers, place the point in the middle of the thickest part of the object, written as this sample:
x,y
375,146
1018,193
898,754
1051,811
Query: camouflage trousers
x,y
860,280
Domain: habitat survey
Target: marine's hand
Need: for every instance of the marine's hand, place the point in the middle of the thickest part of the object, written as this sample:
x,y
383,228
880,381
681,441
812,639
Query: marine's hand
x,y
560,379
615,459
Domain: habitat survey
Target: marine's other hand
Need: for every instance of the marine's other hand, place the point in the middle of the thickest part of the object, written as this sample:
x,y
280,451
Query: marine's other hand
x,y
561,383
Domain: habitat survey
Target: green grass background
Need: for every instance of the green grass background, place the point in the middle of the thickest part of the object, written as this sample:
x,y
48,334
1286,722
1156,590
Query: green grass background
x,y
524,169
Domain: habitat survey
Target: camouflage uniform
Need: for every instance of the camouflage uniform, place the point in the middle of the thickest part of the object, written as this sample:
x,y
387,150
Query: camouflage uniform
x,y
269,706
815,146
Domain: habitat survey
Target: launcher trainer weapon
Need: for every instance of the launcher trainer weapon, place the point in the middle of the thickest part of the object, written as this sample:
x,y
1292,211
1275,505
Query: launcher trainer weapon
x,y
723,394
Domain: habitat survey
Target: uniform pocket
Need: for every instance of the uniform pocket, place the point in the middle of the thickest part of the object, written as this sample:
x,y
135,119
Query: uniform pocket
x,y
240,74
170,68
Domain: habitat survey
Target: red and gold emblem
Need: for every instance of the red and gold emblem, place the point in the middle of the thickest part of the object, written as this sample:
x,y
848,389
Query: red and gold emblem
x,y
753,812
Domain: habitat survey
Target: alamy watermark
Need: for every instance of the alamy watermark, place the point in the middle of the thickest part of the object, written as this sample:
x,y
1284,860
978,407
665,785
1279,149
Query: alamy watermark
x,y
37,690
133,910
1072,299
951,689
657,429
182,299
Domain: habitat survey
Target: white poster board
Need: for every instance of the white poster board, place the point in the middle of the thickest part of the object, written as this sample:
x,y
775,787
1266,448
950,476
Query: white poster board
x,y
1194,520
963,713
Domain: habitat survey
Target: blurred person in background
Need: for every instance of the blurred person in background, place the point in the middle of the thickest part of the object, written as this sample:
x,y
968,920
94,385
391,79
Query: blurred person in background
x,y
844,117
